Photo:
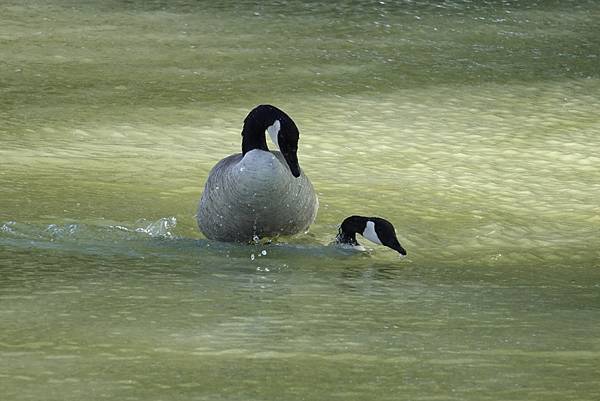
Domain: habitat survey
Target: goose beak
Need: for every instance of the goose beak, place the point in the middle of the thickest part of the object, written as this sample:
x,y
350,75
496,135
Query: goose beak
x,y
292,160
401,251
287,141
398,248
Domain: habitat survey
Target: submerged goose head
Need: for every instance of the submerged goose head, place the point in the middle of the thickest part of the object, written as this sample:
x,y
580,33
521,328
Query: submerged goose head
x,y
375,229
281,129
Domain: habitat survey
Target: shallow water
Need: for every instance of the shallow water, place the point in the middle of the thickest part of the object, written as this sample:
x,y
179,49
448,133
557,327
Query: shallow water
x,y
472,126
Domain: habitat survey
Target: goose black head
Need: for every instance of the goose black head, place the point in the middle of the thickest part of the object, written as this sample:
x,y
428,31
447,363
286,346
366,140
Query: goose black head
x,y
281,128
375,229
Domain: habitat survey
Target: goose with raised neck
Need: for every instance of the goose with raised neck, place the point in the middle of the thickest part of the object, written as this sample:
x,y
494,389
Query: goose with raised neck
x,y
259,192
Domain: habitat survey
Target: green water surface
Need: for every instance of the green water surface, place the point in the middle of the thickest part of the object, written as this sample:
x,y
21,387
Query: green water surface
x,y
472,125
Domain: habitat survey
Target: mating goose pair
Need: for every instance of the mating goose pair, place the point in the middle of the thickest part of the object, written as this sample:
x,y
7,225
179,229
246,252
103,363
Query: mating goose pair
x,y
260,193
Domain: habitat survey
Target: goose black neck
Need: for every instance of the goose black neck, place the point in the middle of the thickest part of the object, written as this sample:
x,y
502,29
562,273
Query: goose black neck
x,y
252,139
350,227
255,124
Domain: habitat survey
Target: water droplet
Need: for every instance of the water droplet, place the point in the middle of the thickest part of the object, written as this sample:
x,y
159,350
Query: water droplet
x,y
264,253
8,227
252,257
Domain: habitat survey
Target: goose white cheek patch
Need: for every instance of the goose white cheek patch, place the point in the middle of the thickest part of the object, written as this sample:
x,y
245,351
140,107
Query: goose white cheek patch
x,y
273,131
370,234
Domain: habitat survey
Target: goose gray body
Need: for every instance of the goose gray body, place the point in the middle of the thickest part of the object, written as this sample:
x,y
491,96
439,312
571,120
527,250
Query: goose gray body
x,y
255,194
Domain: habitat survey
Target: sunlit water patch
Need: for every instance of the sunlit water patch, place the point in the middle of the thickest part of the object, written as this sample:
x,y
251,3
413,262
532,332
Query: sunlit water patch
x,y
471,126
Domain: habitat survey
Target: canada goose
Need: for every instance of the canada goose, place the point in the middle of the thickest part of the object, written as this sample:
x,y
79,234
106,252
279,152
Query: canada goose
x,y
375,229
259,192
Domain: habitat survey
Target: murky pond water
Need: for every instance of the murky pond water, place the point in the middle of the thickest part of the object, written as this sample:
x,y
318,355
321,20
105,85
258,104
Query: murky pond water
x,y
472,126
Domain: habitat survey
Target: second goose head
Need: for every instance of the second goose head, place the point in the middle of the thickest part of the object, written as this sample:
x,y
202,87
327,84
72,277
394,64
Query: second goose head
x,y
281,129
375,229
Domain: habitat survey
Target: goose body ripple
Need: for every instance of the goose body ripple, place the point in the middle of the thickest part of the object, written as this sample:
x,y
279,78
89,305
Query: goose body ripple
x,y
258,192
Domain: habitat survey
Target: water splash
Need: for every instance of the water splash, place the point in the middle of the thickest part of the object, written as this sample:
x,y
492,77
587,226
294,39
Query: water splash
x,y
7,227
159,228
96,237
56,231
145,238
